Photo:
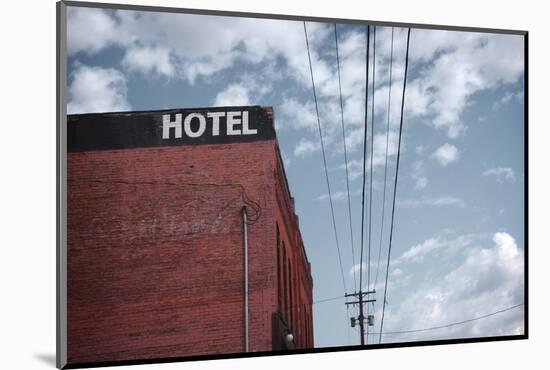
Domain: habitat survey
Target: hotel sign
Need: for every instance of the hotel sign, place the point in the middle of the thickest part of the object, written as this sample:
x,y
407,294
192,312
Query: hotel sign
x,y
126,130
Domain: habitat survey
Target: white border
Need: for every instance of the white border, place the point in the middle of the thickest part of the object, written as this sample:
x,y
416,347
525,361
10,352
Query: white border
x,y
28,182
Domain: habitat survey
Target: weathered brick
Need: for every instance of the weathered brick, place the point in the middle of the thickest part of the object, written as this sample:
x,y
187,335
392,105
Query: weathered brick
x,y
155,252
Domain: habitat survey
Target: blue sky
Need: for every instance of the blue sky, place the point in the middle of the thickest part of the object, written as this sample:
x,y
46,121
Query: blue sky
x,y
458,237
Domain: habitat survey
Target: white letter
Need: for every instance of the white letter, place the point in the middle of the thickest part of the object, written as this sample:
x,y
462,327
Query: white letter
x,y
167,125
187,125
246,130
215,121
231,122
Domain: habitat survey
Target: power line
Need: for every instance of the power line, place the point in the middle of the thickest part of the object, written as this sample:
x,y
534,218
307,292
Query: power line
x,y
371,155
345,154
385,163
364,157
454,323
324,300
324,160
329,299
371,150
395,185
360,293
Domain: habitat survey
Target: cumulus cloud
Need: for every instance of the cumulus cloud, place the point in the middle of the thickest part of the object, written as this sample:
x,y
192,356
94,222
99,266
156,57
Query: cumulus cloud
x,y
92,30
379,147
421,183
200,45
149,60
507,99
446,154
305,148
357,267
397,272
489,278
337,195
287,161
96,89
298,114
355,169
418,251
417,174
374,265
501,174
478,62
355,166
450,66
234,94
441,201
340,195
248,90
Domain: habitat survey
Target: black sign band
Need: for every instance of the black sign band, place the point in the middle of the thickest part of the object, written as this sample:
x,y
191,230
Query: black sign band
x,y
126,130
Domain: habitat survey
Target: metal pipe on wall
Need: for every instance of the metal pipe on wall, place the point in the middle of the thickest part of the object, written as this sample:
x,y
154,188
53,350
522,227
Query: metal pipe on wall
x,y
245,237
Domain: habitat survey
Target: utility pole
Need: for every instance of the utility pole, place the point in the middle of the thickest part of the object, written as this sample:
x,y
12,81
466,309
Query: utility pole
x,y
361,318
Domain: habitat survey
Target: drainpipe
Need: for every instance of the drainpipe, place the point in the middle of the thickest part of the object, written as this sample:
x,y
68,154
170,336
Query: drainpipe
x,y
245,237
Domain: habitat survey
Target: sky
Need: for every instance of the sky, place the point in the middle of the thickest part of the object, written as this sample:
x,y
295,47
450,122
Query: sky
x,y
458,236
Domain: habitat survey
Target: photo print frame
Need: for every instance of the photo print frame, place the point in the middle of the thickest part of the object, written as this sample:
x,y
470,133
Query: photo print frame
x,y
237,184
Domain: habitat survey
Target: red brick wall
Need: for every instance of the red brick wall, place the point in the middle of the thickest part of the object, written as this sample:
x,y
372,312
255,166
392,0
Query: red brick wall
x,y
155,251
297,294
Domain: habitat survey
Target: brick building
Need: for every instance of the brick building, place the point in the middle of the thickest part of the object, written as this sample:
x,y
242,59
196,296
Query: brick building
x,y
161,205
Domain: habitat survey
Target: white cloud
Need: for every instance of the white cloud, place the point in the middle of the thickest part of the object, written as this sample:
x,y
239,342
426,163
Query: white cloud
x,y
355,169
299,115
478,62
421,249
507,98
441,201
451,66
357,267
418,251
373,264
501,174
95,89
305,148
355,139
337,195
149,60
445,154
379,147
397,272
421,183
234,94
340,195
221,42
287,161
489,278
91,30
249,90
417,173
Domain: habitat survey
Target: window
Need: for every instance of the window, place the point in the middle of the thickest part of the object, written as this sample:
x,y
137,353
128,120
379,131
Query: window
x,y
279,273
285,290
291,312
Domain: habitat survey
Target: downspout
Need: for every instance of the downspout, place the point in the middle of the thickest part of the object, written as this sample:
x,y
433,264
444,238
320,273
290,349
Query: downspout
x,y
245,238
